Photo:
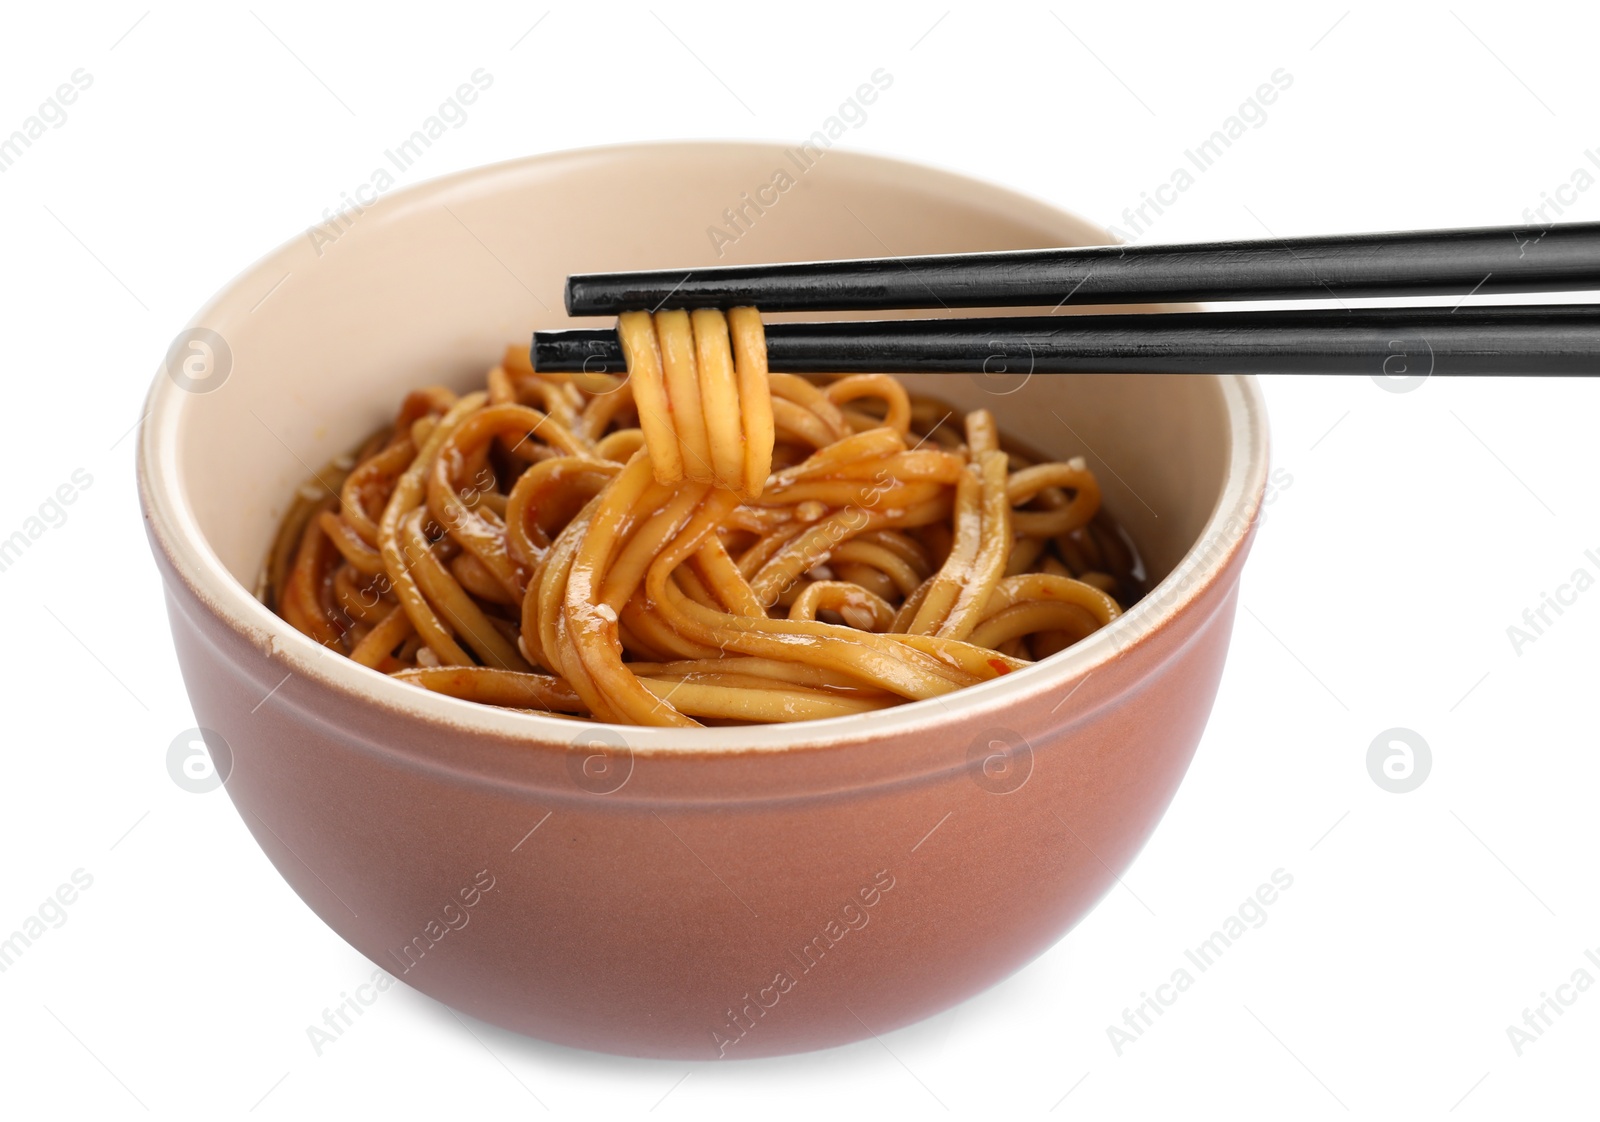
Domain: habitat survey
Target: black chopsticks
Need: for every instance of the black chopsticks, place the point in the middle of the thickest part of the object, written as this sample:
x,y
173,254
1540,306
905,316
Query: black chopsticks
x,y
1541,339
1526,339
1493,259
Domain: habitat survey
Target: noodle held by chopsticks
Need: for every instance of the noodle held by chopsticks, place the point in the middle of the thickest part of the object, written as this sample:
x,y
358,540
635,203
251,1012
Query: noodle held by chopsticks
x,y
703,542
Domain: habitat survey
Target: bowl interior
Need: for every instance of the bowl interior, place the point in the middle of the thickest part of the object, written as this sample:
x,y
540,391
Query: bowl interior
x,y
429,286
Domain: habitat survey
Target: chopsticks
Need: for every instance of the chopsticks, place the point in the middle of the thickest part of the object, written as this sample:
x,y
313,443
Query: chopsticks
x,y
1492,259
1526,339
1543,339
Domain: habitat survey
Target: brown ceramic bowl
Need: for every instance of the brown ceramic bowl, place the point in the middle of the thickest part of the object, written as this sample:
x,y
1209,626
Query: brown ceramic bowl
x,y
689,893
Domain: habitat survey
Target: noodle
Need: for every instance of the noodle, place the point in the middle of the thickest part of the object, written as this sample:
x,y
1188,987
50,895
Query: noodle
x,y
704,542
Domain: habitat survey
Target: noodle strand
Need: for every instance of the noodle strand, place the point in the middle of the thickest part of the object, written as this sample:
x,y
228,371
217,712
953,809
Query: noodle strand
x,y
703,542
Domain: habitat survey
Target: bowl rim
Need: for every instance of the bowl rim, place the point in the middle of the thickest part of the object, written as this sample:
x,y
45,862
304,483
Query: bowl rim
x,y
176,533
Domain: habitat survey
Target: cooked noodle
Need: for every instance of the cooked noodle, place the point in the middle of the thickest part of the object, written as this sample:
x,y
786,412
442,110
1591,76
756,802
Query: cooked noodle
x,y
703,542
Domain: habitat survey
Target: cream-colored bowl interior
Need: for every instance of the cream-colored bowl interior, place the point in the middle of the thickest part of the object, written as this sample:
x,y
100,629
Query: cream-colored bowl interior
x,y
430,284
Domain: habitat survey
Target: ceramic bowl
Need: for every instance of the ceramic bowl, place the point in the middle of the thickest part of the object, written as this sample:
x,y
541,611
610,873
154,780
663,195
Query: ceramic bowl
x,y
706,893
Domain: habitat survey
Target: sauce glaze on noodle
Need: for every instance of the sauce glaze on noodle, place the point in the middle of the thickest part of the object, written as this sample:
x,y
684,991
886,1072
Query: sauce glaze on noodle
x,y
702,542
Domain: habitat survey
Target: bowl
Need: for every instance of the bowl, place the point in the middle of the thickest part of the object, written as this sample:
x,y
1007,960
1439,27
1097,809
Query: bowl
x,y
703,893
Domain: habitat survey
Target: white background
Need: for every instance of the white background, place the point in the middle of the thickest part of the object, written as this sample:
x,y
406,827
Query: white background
x,y
1417,528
